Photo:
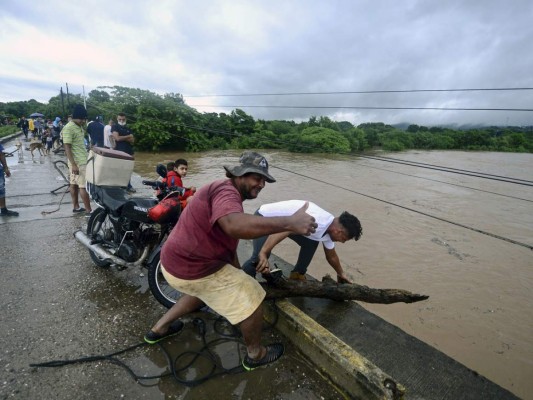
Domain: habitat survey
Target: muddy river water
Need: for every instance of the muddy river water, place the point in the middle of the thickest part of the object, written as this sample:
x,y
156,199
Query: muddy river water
x,y
416,237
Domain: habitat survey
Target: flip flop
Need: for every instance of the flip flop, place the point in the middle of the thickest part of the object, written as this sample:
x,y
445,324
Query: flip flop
x,y
174,328
274,351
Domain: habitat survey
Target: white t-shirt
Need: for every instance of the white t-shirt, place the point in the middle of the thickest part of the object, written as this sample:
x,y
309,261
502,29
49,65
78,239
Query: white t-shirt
x,y
289,207
107,132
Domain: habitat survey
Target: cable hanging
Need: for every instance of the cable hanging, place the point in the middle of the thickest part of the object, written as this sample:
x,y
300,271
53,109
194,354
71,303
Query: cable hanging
x,y
444,169
360,92
446,183
453,170
411,209
364,108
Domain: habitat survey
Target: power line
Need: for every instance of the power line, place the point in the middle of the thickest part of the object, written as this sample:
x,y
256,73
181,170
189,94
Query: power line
x,y
364,107
411,209
451,170
446,183
359,92
386,159
388,202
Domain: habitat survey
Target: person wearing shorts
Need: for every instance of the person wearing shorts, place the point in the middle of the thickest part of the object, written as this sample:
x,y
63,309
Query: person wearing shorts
x,y
75,150
200,256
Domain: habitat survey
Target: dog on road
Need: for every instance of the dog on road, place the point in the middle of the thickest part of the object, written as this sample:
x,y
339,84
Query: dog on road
x,y
35,146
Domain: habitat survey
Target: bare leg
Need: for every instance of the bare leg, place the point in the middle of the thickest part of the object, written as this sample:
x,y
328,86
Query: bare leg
x,y
85,198
251,332
74,196
184,305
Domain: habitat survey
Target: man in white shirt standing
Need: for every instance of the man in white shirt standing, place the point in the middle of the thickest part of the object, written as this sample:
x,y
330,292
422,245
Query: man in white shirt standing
x,y
109,141
330,229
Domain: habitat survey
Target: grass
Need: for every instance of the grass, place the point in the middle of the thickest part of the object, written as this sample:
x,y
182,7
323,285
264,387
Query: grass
x,y
8,130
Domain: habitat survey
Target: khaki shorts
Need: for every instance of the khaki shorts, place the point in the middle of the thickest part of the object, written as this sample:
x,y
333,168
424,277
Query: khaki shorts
x,y
78,179
230,292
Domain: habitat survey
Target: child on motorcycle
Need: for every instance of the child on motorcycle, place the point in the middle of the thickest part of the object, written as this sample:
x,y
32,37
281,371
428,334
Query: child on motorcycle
x,y
180,168
175,172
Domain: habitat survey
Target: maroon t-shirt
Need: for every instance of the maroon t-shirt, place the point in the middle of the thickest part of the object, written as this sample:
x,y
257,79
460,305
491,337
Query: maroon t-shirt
x,y
197,246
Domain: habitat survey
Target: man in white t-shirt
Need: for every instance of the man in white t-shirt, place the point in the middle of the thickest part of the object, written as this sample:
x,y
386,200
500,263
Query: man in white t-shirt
x,y
330,229
109,141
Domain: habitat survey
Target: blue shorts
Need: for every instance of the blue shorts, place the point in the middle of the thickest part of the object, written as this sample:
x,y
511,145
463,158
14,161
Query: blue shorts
x,y
2,184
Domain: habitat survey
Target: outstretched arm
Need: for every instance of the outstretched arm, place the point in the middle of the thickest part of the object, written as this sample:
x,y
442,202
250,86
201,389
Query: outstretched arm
x,y
335,262
247,226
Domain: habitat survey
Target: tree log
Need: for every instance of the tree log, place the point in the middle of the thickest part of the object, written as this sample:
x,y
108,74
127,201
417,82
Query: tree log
x,y
330,289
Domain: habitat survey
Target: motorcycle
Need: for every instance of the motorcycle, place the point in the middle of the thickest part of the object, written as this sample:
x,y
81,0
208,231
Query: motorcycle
x,y
130,232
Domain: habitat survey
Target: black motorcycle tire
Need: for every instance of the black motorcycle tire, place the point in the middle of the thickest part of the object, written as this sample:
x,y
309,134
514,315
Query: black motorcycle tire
x,y
160,288
96,221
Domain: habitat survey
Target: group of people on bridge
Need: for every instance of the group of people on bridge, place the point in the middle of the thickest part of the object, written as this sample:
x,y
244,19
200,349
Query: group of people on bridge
x,y
199,258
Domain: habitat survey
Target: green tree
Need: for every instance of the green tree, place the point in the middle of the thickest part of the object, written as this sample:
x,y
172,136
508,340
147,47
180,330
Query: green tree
x,y
413,128
320,140
357,139
98,96
242,122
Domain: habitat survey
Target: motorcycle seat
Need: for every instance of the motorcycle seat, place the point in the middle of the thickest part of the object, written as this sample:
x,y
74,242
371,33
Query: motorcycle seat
x,y
110,196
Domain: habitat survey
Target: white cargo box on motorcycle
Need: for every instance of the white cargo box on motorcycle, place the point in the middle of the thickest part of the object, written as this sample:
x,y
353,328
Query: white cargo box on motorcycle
x,y
108,167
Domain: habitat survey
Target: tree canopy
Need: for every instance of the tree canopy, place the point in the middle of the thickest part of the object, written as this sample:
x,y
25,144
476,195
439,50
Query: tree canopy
x,y
167,122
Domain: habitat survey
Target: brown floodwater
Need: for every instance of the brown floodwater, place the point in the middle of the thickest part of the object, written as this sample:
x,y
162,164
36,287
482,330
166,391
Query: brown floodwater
x,y
480,286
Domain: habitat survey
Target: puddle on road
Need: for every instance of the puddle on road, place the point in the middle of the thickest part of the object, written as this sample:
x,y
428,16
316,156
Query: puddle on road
x,y
125,311
292,377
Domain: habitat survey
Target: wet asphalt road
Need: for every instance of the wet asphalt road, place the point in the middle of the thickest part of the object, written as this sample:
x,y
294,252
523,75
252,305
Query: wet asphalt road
x,y
57,305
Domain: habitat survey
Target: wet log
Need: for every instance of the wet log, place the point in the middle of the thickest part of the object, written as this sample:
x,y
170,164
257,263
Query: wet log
x,y
330,289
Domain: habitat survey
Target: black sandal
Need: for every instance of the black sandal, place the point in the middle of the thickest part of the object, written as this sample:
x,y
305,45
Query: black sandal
x,y
273,352
174,328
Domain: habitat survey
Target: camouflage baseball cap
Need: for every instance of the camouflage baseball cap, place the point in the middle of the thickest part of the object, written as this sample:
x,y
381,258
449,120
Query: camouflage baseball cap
x,y
251,162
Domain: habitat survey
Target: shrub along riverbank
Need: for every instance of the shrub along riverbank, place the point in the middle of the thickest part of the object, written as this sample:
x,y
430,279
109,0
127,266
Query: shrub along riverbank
x,y
167,122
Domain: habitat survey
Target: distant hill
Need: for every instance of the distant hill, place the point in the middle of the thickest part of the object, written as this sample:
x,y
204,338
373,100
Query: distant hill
x,y
463,127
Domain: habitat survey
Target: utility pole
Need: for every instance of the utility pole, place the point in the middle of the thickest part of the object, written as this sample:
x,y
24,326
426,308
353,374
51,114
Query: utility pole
x,y
62,102
84,102
68,99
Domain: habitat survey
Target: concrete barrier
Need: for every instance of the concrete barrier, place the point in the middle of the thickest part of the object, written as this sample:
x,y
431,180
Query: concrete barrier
x,y
345,367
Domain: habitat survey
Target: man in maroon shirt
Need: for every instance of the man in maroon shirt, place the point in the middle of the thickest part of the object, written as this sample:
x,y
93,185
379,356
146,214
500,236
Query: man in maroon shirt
x,y
200,256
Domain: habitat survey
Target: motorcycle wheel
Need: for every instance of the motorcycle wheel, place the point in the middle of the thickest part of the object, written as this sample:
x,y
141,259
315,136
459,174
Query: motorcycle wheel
x,y
98,227
160,288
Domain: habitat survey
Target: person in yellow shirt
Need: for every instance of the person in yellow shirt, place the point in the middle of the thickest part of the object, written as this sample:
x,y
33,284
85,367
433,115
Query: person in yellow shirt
x,y
31,127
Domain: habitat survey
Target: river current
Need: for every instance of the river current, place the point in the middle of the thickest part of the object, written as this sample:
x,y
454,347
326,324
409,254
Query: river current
x,y
416,237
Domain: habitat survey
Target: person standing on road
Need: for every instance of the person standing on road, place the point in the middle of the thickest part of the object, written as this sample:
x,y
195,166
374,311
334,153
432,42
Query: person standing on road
x,y
124,140
38,127
95,129
4,171
109,142
200,256
56,131
330,230
73,141
31,128
23,124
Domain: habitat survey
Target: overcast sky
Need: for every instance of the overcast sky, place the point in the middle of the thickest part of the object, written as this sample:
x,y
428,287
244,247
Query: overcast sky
x,y
280,46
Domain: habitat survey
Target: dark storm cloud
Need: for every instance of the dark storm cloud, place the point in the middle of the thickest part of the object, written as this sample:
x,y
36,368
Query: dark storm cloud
x,y
217,47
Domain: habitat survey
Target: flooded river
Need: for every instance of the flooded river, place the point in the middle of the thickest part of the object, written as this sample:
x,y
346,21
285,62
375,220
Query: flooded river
x,y
416,237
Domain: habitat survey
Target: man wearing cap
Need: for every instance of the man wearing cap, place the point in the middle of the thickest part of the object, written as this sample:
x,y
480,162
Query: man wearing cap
x,y
200,259
330,229
73,140
95,129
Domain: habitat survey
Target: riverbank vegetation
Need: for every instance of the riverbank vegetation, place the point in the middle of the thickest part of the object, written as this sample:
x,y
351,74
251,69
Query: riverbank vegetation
x,y
6,130
167,122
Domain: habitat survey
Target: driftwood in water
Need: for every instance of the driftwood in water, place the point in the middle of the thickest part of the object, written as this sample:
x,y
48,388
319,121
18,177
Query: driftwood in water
x,y
330,289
